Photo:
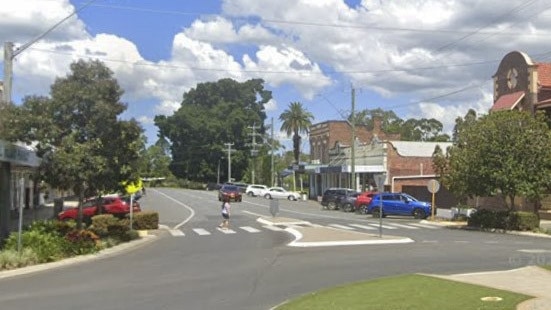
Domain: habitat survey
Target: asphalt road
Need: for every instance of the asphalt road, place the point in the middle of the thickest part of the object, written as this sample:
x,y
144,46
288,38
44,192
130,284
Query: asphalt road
x,y
193,265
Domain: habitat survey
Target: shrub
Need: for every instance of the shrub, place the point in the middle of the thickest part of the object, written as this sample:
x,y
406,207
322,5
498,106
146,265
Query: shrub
x,y
11,259
80,242
145,220
47,246
491,219
523,221
100,224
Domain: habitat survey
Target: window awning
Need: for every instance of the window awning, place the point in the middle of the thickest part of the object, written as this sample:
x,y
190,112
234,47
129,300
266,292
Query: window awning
x,y
508,101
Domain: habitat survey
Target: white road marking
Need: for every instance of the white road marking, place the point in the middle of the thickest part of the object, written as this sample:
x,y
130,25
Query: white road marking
x,y
405,226
226,231
424,225
363,226
250,229
535,251
176,232
384,226
201,231
341,226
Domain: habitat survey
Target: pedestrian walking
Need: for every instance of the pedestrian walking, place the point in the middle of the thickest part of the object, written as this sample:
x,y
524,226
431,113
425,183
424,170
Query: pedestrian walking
x,y
225,214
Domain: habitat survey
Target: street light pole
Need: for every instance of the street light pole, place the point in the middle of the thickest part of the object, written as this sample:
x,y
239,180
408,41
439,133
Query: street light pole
x,y
353,145
229,145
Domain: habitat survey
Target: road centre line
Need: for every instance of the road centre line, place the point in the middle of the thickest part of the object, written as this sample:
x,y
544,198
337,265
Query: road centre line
x,y
182,204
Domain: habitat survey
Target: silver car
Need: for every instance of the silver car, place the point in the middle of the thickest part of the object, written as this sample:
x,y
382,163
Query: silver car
x,y
280,192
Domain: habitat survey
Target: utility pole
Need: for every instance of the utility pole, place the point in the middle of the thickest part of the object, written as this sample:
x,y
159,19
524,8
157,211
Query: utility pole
x,y
10,53
272,154
229,145
353,145
254,151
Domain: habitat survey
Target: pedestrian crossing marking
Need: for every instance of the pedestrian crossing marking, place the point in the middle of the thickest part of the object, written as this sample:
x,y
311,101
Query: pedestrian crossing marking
x,y
250,229
405,226
176,233
278,228
383,226
341,226
363,226
201,231
226,231
424,225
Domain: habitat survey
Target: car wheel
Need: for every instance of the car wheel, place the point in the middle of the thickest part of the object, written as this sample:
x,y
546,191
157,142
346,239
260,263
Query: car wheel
x,y
376,212
348,207
362,209
332,206
250,194
419,214
267,196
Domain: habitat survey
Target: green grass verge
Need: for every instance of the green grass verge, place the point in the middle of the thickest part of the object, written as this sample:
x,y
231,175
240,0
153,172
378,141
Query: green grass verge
x,y
548,267
409,292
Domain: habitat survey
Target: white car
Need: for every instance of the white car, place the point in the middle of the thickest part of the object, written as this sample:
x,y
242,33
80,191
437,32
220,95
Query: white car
x,y
280,192
256,190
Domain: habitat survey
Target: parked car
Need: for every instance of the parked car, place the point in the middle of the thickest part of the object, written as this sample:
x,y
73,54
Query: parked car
x,y
280,192
256,190
399,204
230,192
332,196
242,186
347,202
116,205
362,201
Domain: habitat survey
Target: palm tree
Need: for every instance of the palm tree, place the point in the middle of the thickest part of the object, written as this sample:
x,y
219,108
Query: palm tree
x,y
296,120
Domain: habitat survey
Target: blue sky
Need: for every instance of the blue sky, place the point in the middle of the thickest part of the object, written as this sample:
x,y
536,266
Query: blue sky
x,y
419,58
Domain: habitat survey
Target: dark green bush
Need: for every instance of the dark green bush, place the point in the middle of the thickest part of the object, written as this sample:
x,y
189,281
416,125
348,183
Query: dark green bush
x,y
523,221
119,230
145,220
507,220
100,224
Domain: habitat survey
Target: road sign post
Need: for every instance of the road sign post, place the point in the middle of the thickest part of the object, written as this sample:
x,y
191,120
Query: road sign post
x,y
380,182
433,186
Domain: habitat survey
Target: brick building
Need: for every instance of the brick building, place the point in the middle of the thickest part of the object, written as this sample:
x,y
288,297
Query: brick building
x,y
522,84
407,165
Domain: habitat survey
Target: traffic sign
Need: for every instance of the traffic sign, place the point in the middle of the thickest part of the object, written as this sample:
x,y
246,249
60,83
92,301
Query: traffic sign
x,y
433,186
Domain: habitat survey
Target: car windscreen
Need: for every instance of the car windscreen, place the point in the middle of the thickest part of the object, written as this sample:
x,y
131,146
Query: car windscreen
x,y
230,188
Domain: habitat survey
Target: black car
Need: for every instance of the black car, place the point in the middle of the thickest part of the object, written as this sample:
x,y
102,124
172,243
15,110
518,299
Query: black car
x,y
331,198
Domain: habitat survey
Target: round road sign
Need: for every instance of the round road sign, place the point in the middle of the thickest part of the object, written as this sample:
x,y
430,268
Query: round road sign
x,y
433,186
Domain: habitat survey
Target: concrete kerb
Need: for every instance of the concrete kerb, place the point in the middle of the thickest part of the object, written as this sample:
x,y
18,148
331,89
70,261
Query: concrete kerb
x,y
312,235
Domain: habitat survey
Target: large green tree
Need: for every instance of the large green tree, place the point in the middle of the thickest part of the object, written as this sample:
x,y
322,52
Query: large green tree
x,y
213,118
296,120
505,153
410,130
83,144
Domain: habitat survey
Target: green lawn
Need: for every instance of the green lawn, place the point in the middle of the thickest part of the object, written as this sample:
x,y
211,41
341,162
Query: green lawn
x,y
409,292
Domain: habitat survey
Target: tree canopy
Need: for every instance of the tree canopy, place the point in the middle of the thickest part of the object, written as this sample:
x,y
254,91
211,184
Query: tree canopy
x,y
410,130
296,120
505,153
77,131
213,116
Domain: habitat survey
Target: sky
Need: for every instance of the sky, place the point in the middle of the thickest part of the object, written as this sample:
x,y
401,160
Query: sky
x,y
418,58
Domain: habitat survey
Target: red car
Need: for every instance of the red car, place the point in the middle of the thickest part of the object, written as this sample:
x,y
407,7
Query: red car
x,y
230,193
118,206
362,201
